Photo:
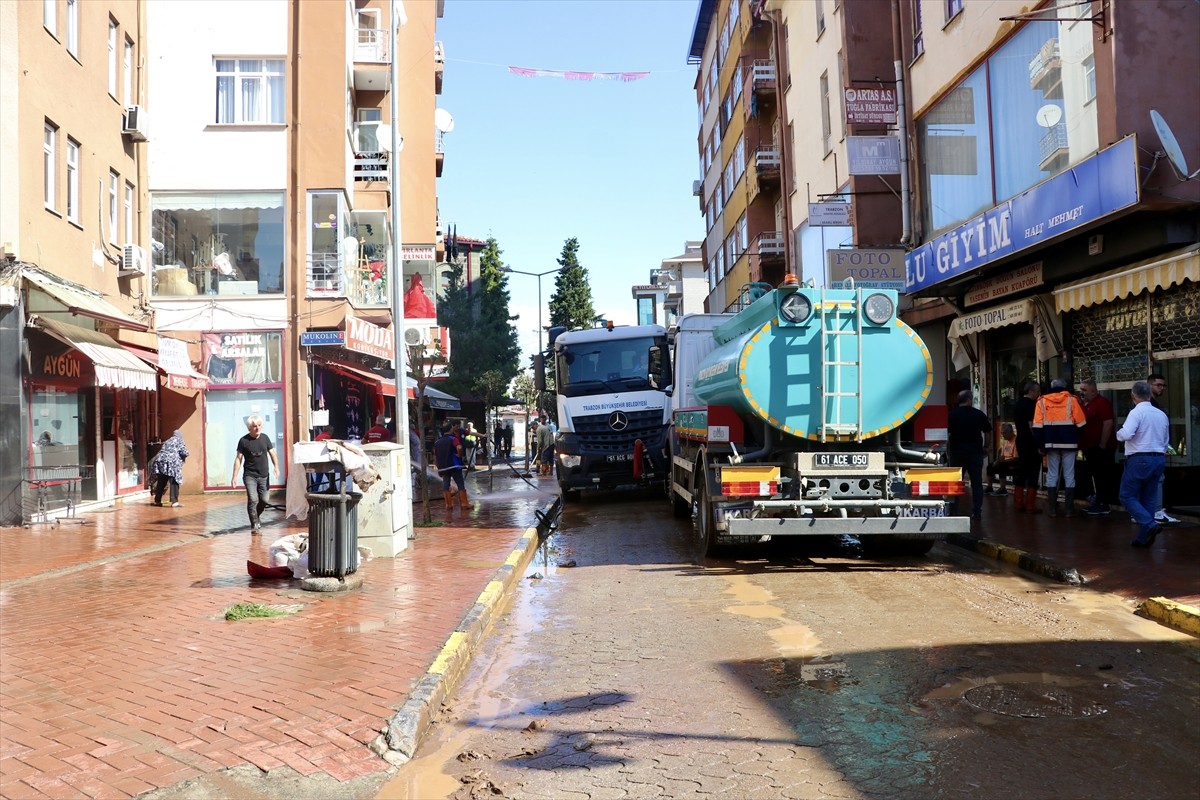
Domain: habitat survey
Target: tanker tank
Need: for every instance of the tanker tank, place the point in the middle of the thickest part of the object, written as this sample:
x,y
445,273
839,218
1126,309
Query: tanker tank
x,y
831,365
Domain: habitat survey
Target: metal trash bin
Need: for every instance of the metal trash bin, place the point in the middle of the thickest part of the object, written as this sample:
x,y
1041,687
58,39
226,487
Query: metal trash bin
x,y
333,530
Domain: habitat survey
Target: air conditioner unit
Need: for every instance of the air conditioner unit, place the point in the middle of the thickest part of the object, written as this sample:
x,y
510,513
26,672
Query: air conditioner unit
x,y
133,260
416,336
134,124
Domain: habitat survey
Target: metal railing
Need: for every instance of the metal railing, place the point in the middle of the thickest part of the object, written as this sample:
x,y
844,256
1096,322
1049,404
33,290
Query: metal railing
x,y
372,45
1047,58
1052,142
769,244
371,166
49,493
763,74
766,158
324,275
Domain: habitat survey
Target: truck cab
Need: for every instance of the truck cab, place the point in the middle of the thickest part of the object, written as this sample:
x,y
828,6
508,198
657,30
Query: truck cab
x,y
611,393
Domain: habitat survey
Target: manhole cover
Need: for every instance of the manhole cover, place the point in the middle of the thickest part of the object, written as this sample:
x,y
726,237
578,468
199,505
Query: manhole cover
x,y
1030,700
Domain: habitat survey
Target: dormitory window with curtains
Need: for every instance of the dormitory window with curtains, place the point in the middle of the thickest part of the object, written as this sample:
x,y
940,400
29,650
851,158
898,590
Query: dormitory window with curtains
x,y
249,91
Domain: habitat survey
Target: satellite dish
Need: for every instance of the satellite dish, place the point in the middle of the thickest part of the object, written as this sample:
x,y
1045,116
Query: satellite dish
x,y
442,120
383,137
1049,115
1171,146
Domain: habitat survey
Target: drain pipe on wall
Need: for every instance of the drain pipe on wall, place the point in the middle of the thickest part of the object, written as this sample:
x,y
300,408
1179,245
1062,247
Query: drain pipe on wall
x,y
906,235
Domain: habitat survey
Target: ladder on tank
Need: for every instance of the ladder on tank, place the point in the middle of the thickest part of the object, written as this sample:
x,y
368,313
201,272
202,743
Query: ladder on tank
x,y
835,312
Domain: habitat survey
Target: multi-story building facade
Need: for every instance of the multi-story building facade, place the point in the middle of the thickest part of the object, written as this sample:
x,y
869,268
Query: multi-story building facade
x,y
1028,164
740,155
76,405
210,234
676,287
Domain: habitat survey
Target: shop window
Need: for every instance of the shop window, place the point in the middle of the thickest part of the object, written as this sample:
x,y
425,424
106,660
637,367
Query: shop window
x,y
222,243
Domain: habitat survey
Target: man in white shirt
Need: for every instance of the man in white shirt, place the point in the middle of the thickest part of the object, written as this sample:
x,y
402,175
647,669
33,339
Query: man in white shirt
x,y
1145,435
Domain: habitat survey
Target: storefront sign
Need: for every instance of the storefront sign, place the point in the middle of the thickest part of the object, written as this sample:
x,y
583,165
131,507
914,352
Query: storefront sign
x,y
173,355
63,365
50,360
877,268
1027,277
828,214
322,338
871,106
995,317
1096,187
363,337
873,155
418,252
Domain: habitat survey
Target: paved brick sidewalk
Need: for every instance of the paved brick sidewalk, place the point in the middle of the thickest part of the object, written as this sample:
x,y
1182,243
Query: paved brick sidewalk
x,y
119,673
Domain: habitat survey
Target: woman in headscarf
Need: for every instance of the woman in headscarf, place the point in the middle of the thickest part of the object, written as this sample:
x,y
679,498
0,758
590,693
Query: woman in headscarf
x,y
168,467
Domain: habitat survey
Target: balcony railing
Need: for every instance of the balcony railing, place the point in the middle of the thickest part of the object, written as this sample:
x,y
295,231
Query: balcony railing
x,y
766,158
324,275
1047,59
1052,145
370,166
768,245
763,75
367,285
372,45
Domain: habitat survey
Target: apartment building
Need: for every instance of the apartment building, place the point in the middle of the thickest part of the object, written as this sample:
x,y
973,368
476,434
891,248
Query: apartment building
x,y
676,287
77,406
271,223
739,151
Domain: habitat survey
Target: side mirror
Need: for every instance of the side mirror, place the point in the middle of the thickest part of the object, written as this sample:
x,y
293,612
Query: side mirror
x,y
539,371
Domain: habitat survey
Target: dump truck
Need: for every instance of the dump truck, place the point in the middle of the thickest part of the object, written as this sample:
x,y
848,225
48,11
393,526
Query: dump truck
x,y
610,392
786,421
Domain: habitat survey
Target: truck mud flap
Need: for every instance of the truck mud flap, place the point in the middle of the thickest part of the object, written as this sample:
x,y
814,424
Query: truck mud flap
x,y
921,527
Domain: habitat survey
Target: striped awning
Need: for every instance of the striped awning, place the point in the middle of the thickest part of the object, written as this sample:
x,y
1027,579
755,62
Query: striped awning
x,y
81,300
115,366
1160,272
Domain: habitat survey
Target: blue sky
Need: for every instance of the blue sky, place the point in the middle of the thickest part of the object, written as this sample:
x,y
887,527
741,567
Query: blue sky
x,y
534,161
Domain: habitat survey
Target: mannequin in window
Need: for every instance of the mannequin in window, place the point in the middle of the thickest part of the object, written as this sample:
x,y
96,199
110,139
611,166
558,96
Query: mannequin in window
x,y
417,304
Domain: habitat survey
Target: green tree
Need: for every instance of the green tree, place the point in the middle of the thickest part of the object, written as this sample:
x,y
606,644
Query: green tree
x,y
482,334
571,306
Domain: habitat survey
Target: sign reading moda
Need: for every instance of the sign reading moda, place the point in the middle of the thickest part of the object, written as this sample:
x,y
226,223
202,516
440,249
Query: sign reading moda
x,y
1090,190
363,337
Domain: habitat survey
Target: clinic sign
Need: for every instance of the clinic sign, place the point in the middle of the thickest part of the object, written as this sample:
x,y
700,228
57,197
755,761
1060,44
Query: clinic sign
x,y
1091,190
871,268
363,337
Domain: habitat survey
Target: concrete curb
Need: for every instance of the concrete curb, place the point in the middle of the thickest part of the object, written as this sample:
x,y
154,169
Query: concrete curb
x,y
1018,558
1170,613
408,726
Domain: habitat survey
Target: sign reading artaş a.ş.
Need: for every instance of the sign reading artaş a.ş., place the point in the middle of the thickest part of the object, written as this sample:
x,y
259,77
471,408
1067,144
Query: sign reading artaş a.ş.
x,y
873,155
871,106
1092,189
1027,277
871,268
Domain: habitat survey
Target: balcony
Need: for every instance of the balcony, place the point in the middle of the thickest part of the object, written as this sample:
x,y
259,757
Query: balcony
x,y
439,156
367,285
1054,152
1045,71
768,246
439,63
372,60
324,275
762,76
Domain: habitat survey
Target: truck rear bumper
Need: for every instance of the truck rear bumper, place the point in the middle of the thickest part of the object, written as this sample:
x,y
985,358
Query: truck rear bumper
x,y
916,527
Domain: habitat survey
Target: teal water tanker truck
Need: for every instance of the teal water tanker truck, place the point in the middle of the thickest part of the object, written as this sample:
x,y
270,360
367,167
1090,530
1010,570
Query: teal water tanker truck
x,y
786,421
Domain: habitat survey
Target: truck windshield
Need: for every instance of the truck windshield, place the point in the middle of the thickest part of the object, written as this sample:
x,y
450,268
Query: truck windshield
x,y
605,366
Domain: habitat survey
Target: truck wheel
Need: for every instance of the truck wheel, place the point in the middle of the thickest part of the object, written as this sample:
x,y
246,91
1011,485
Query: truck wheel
x,y
706,532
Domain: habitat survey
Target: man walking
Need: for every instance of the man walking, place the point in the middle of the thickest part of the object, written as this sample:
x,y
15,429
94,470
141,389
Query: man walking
x,y
1098,444
1145,435
968,430
447,454
256,450
1056,422
1158,385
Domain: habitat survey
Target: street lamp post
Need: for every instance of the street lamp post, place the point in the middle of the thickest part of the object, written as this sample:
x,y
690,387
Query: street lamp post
x,y
539,276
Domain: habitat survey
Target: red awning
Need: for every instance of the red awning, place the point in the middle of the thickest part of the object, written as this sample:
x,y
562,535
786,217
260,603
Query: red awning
x,y
175,380
387,388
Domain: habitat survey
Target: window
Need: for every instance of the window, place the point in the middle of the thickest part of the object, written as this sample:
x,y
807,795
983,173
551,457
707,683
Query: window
x,y
820,6
249,91
114,186
223,243
73,27
50,16
327,214
127,64
112,58
953,9
49,177
918,41
826,124
130,231
1089,79
73,181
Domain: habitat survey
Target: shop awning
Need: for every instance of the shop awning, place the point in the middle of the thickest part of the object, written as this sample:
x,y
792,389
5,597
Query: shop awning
x,y
436,397
115,366
177,378
387,387
1035,311
1160,272
80,300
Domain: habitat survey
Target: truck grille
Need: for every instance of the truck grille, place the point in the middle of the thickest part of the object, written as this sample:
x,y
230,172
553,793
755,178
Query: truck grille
x,y
597,436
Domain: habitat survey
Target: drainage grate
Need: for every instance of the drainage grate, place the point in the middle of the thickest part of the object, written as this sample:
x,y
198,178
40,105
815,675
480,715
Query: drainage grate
x,y
1030,701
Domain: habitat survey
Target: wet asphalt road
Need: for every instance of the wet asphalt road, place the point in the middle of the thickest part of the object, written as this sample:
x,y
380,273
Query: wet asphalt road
x,y
807,671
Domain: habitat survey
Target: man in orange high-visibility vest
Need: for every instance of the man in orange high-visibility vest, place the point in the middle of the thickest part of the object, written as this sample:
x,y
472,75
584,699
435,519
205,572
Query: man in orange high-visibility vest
x,y
1057,420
